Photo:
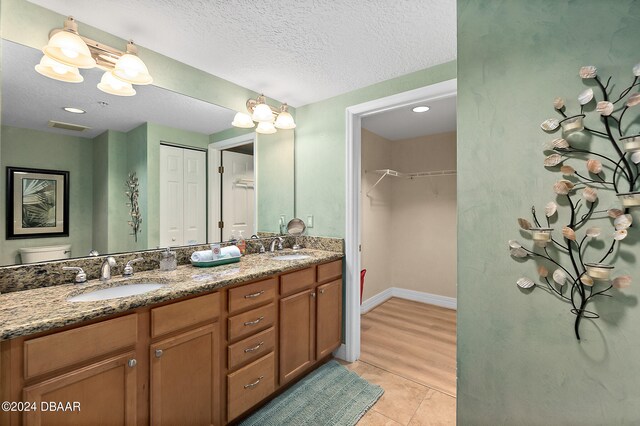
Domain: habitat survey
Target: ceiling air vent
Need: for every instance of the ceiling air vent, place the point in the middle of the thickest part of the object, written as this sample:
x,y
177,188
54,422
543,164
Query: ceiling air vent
x,y
67,126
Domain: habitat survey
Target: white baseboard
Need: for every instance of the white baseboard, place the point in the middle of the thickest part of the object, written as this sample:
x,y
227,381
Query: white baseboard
x,y
402,293
376,300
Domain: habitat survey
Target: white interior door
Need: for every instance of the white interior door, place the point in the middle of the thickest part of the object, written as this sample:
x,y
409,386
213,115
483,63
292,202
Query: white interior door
x,y
171,196
182,196
238,195
195,197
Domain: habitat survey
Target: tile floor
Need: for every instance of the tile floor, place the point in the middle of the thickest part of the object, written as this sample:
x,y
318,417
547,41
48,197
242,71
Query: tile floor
x,y
404,402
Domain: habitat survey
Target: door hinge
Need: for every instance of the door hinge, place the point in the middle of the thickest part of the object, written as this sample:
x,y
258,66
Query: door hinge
x,y
221,169
221,224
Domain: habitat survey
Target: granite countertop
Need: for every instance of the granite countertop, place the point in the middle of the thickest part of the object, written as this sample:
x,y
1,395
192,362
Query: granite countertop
x,y
31,311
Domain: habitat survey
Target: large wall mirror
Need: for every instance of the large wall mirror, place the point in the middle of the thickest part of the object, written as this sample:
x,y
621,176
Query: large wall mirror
x,y
158,134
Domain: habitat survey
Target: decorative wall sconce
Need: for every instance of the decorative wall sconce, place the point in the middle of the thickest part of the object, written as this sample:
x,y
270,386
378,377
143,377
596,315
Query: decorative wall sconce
x,y
67,51
268,118
579,281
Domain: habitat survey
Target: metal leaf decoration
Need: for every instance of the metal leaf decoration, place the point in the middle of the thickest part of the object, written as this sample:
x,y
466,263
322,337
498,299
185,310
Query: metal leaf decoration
x,y
552,160
550,209
525,282
560,277
514,244
550,125
633,100
560,143
569,233
586,280
558,103
518,252
585,96
593,232
567,170
623,222
620,234
604,108
590,194
524,224
594,166
613,213
542,271
635,157
588,71
623,281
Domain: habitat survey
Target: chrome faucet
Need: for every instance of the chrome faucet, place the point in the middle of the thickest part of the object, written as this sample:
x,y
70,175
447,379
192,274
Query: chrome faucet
x,y
81,277
105,269
128,269
261,248
278,240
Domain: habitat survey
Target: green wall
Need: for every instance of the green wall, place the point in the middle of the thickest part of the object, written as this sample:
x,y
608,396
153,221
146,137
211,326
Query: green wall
x,y
519,362
53,152
320,148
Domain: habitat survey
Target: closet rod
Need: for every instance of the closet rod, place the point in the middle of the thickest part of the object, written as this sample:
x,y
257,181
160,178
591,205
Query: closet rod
x,y
389,172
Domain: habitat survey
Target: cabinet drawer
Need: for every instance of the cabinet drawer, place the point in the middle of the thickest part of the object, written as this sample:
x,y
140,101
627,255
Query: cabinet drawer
x,y
295,281
250,385
247,323
176,316
250,295
67,348
251,348
330,271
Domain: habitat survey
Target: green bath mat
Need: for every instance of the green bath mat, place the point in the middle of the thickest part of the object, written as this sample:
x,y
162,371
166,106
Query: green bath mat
x,y
331,395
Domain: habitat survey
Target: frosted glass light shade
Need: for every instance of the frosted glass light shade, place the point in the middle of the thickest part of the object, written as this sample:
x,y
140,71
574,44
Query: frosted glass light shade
x,y
68,48
262,113
265,128
285,121
57,71
131,69
242,120
113,86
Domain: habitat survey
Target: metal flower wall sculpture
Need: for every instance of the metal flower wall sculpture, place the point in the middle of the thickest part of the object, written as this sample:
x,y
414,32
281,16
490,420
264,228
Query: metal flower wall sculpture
x,y
581,271
132,193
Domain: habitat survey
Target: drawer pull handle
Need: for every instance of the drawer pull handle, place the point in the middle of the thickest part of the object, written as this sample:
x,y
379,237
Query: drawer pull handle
x,y
253,349
254,384
254,322
253,295
159,353
132,362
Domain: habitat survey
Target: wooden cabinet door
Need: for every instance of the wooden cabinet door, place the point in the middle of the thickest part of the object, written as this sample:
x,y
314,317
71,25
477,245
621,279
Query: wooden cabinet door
x,y
105,393
329,318
184,378
297,334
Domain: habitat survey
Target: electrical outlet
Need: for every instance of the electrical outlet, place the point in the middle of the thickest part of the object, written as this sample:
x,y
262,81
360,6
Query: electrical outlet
x,y
310,221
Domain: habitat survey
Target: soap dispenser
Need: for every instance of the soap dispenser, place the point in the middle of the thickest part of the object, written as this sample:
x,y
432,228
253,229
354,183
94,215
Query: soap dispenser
x,y
169,261
242,244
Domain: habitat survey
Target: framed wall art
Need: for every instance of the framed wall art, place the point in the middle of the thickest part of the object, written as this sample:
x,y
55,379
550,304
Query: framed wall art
x,y
37,203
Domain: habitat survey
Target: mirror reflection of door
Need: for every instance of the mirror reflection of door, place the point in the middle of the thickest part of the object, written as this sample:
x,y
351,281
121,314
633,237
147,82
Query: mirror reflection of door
x,y
183,196
238,192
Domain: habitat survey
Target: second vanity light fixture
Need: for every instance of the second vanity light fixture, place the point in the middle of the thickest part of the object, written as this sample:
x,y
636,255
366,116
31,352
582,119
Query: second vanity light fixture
x,y
67,51
268,118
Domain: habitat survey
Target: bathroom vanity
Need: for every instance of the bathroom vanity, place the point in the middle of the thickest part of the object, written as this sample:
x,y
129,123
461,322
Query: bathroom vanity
x,y
207,348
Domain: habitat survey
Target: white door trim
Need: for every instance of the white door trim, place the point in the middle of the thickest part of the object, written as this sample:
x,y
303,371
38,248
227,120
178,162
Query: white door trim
x,y
354,115
214,179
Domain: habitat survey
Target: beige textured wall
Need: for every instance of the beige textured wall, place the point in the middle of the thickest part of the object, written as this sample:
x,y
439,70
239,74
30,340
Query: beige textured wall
x,y
423,215
376,214
409,226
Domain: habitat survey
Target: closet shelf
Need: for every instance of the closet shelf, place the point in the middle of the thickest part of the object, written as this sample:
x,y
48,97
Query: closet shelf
x,y
389,172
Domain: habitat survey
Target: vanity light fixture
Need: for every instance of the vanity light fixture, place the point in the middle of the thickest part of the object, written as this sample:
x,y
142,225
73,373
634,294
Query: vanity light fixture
x,y
67,51
268,118
421,108
74,110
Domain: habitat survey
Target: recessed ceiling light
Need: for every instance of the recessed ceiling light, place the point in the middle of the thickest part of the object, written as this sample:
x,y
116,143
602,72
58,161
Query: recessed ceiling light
x,y
421,108
74,110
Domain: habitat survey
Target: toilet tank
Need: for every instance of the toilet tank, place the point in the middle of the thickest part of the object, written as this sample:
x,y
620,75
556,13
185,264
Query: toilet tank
x,y
45,253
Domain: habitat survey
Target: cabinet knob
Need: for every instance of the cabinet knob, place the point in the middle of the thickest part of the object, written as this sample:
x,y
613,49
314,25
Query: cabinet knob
x,y
159,353
322,291
313,294
132,362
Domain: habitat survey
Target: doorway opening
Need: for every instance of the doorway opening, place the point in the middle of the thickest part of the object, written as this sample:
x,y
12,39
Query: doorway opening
x,y
353,235
233,188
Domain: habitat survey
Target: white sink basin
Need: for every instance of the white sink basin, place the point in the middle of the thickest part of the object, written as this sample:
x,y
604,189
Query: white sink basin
x,y
116,292
291,257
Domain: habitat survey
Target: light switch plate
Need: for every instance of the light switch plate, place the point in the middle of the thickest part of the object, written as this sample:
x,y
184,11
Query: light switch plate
x,y
310,221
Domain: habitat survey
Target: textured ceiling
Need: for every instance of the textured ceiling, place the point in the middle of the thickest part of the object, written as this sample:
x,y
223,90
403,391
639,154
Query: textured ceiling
x,y
297,52
30,100
403,123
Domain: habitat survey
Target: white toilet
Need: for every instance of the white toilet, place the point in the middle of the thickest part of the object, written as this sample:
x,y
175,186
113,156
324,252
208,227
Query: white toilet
x,y
45,253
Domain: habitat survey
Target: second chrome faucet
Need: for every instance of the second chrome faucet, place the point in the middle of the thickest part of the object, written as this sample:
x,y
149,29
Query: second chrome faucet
x,y
105,269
